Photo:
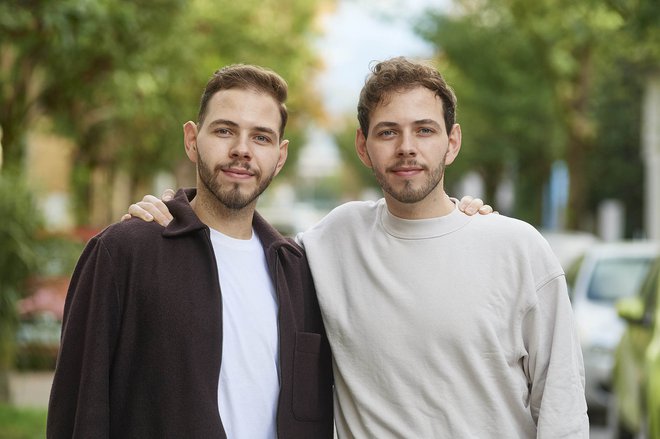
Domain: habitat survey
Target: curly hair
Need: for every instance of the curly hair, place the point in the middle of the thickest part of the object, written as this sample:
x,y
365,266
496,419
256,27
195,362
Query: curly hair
x,y
400,74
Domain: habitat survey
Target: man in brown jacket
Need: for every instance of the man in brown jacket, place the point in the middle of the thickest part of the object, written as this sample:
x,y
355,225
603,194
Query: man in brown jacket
x,y
209,328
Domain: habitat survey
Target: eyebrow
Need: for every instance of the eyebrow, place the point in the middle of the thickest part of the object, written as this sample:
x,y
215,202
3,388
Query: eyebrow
x,y
231,123
223,122
427,122
386,124
380,125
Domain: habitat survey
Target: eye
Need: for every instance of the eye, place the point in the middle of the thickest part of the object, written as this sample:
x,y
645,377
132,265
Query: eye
x,y
387,133
262,139
222,132
426,131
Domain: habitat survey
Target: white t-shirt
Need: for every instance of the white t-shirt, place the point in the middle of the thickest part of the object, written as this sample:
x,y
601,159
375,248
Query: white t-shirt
x,y
249,386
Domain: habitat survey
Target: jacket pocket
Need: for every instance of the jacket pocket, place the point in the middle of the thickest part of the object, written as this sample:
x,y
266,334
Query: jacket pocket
x,y
312,378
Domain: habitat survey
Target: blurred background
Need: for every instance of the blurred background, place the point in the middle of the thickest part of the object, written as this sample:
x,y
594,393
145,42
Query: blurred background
x,y
559,101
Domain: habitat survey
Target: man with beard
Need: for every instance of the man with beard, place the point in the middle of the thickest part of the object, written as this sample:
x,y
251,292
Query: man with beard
x,y
441,324
209,328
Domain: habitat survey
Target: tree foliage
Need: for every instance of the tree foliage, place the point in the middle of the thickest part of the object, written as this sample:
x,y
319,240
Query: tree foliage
x,y
20,221
532,78
120,77
491,100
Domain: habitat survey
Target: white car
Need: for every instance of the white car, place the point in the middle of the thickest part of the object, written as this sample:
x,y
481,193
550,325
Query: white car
x,y
569,246
607,273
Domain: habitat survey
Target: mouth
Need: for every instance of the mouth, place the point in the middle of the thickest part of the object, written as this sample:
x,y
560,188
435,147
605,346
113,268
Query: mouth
x,y
406,171
238,173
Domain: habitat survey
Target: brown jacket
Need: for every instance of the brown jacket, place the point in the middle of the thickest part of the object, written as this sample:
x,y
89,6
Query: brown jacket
x,y
141,341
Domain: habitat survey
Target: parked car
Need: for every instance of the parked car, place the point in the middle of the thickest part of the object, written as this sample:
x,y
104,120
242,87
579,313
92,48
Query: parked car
x,y
607,273
636,377
569,246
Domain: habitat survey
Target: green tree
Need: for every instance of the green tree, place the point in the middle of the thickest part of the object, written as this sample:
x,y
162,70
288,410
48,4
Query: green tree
x,y
120,77
503,110
58,57
20,221
569,36
615,168
544,64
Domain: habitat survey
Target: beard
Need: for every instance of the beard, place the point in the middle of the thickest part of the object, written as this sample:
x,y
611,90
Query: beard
x,y
230,195
409,194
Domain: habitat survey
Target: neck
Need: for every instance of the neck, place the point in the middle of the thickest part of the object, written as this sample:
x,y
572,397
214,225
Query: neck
x,y
231,222
435,205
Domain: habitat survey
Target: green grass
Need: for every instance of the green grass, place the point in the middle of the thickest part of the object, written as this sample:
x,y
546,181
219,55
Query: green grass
x,y
22,423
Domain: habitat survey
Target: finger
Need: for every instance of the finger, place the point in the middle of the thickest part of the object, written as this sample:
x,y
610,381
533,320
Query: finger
x,y
168,194
126,216
485,209
474,206
156,209
464,203
138,212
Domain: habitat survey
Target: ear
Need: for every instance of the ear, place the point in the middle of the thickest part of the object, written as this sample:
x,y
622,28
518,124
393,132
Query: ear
x,y
284,152
361,148
190,140
454,146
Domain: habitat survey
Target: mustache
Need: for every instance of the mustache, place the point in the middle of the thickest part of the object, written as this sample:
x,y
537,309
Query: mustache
x,y
407,163
234,165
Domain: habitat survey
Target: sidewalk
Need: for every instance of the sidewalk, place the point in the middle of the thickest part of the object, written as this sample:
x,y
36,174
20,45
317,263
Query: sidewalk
x,y
30,389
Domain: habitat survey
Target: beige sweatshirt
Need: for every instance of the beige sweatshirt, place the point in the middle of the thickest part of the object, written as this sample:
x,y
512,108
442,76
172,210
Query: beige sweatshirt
x,y
452,327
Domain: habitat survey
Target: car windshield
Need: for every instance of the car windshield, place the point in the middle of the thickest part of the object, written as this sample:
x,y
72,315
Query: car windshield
x,y
616,278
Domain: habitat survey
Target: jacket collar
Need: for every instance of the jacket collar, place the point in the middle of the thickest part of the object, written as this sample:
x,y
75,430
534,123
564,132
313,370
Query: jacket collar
x,y
186,221
184,218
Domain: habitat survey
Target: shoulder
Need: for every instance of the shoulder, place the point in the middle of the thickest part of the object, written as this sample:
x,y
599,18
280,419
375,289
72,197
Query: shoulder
x,y
519,238
342,222
354,209
129,235
504,227
348,213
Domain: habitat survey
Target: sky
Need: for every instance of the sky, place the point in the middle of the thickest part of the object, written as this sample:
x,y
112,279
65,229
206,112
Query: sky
x,y
361,31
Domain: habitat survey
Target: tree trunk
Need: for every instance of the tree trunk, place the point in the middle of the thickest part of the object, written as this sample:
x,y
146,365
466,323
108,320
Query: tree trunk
x,y
17,112
581,132
6,358
5,394
578,147
12,150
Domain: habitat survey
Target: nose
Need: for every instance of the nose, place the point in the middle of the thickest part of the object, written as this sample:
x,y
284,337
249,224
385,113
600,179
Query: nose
x,y
406,146
241,149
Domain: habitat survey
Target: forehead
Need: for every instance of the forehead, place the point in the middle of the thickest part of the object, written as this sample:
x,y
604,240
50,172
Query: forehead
x,y
405,106
245,107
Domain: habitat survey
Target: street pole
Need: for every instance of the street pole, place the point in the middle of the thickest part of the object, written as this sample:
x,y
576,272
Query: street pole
x,y
651,155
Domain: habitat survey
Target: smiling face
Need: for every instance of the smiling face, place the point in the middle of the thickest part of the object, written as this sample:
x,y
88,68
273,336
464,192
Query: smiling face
x,y
237,147
408,147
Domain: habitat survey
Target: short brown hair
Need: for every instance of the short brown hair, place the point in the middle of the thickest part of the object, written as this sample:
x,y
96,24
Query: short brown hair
x,y
400,74
247,77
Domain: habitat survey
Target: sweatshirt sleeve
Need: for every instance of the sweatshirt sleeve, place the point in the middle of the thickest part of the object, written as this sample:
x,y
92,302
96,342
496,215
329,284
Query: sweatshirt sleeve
x,y
554,365
79,400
